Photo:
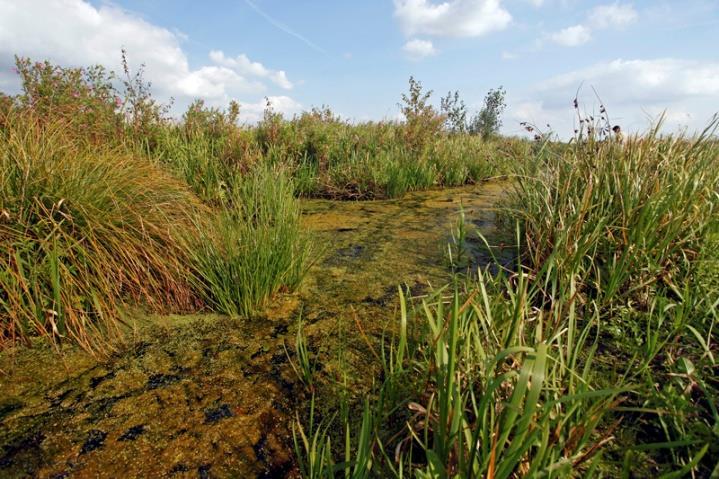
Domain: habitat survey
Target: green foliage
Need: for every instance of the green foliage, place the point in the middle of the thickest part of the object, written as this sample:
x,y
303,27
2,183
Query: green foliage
x,y
254,247
488,121
455,112
92,221
596,355
144,116
84,99
82,231
422,122
304,369
633,225
490,388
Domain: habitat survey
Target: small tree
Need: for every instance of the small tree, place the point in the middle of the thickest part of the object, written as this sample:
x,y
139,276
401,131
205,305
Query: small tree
x,y
489,119
144,115
455,112
423,121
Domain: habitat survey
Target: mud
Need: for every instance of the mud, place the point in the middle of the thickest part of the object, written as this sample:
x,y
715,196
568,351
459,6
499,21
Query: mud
x,y
211,396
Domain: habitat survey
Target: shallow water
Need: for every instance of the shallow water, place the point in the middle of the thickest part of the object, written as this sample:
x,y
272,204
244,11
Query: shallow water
x,y
211,396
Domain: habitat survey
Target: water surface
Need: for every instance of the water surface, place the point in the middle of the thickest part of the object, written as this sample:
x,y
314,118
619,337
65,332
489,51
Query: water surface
x,y
211,396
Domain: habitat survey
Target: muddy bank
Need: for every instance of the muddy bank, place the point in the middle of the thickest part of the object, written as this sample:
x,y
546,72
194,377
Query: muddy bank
x,y
210,396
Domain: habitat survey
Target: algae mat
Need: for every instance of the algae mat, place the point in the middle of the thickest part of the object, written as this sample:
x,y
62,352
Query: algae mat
x,y
211,396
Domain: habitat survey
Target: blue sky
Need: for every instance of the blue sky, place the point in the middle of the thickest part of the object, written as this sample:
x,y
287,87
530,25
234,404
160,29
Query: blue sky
x,y
642,57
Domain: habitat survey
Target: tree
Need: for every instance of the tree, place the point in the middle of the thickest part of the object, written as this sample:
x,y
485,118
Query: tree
x,y
455,112
489,119
422,120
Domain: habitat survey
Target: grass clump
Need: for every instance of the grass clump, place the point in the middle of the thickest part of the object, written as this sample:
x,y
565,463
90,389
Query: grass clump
x,y
82,230
635,222
254,247
479,383
97,210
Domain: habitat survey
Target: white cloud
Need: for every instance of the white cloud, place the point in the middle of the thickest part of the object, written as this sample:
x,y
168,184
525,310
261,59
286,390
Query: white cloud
x,y
76,33
451,18
212,82
417,49
572,36
633,91
244,66
645,80
508,55
613,16
252,112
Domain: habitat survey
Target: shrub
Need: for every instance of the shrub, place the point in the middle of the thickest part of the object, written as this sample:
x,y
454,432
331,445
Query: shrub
x,y
422,122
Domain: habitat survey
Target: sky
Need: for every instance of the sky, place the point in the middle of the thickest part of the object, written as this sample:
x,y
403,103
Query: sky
x,y
641,58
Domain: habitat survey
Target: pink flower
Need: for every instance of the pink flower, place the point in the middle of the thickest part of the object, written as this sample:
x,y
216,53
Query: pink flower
x,y
118,102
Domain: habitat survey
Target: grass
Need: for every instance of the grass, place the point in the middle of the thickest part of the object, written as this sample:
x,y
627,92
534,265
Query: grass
x,y
636,224
328,157
594,356
92,227
255,247
107,203
83,231
488,387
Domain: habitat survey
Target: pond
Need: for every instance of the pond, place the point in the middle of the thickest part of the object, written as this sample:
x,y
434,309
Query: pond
x,y
211,396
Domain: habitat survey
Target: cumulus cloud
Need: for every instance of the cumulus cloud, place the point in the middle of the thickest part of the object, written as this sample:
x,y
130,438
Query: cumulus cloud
x,y
77,33
613,15
417,49
451,18
572,36
633,91
243,65
252,112
637,81
211,82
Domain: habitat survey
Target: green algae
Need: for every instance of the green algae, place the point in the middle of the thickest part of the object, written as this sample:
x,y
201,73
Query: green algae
x,y
212,396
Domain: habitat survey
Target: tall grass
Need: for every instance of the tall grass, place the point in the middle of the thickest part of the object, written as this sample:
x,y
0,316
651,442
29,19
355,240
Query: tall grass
x,y
83,230
326,156
635,224
255,246
489,387
97,209
596,355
